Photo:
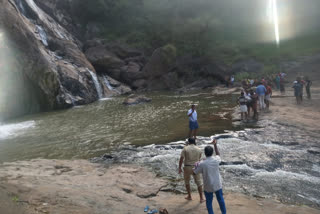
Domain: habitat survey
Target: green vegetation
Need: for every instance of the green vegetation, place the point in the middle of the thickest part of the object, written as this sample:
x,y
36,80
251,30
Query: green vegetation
x,y
15,199
226,31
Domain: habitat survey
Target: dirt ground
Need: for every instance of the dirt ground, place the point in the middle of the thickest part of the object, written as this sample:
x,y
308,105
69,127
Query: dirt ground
x,y
81,187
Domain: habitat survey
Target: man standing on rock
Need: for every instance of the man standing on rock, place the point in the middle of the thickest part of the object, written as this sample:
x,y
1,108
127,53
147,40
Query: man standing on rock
x,y
261,91
189,156
209,168
193,122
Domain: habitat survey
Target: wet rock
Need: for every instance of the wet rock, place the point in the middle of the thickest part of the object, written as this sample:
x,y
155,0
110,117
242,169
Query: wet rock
x,y
52,79
105,157
314,152
136,99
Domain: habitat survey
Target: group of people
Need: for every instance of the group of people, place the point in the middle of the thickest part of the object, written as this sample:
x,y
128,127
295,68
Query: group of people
x,y
190,157
250,97
298,86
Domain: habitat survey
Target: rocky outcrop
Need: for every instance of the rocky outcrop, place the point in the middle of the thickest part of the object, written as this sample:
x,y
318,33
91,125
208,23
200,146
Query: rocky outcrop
x,y
117,60
47,61
136,99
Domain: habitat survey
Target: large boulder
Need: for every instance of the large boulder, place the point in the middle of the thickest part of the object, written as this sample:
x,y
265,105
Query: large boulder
x,y
159,65
136,99
102,59
116,60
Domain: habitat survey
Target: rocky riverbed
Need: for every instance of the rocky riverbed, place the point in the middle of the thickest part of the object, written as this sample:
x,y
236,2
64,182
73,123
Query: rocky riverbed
x,y
264,168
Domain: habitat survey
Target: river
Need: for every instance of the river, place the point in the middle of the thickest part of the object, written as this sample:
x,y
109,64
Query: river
x,y
98,128
268,160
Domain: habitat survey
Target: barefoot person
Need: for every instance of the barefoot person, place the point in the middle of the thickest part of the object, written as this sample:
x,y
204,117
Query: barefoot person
x,y
193,122
189,156
211,178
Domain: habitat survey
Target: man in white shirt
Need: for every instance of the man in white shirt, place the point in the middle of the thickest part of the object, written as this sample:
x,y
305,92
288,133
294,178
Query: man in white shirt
x,y
211,178
193,122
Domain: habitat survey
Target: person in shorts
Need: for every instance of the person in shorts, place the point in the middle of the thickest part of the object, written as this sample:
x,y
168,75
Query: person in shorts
x,y
193,122
242,101
190,155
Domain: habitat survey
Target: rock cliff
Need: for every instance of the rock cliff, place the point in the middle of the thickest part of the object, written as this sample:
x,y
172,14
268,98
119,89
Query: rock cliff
x,y
42,64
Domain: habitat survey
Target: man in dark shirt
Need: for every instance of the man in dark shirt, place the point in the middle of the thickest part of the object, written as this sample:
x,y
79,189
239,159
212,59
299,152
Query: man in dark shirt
x,y
308,86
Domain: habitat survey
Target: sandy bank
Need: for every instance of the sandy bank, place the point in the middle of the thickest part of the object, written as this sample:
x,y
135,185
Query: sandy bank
x,y
81,187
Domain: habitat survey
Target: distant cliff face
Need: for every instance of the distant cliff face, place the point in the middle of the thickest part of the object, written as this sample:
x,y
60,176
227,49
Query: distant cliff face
x,y
51,61
42,64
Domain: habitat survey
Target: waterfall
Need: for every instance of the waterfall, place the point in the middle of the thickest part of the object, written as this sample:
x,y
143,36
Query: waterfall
x,y
21,7
106,81
42,34
96,83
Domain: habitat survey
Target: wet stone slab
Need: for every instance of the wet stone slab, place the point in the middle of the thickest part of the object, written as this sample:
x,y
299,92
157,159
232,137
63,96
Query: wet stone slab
x,y
276,161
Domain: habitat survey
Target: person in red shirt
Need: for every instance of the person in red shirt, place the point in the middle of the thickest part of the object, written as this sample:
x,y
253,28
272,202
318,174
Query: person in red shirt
x,y
268,95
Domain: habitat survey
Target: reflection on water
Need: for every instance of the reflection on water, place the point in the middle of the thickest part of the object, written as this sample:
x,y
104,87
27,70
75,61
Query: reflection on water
x,y
89,131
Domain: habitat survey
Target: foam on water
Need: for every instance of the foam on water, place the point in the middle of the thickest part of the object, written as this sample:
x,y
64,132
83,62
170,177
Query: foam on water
x,y
280,174
11,130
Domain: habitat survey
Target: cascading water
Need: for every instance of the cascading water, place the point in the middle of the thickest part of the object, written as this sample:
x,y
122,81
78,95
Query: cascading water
x,y
106,81
42,34
21,7
96,83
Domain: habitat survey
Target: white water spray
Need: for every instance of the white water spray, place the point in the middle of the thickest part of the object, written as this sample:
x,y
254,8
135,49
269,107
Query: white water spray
x,y
96,83
106,81
43,35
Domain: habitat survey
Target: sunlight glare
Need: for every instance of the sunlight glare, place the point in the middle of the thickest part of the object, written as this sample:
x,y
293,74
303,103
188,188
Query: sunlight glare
x,y
275,20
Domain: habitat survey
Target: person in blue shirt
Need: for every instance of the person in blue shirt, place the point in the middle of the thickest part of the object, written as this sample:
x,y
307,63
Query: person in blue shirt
x,y
261,91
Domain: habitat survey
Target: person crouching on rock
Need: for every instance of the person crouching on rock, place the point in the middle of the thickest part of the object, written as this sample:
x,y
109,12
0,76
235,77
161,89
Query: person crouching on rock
x,y
193,122
242,101
189,156
209,168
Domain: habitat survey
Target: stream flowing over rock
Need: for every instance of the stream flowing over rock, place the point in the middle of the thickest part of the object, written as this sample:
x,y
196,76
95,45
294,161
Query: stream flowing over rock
x,y
276,161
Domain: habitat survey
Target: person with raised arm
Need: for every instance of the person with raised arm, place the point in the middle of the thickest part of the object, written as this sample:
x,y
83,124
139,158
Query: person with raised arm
x,y
212,182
